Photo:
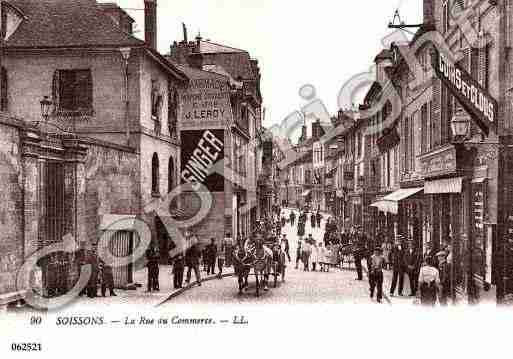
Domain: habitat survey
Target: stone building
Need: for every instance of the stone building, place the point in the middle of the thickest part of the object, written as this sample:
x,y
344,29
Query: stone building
x,y
109,145
238,101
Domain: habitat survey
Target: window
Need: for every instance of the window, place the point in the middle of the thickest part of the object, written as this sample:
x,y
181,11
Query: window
x,y
3,89
73,91
156,106
423,129
445,16
170,174
172,111
155,175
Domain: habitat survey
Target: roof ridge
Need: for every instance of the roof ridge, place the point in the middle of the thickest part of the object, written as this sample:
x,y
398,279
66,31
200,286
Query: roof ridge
x,y
225,46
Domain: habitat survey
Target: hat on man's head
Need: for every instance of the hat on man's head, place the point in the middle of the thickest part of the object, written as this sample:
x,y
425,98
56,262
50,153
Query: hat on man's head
x,y
441,254
378,249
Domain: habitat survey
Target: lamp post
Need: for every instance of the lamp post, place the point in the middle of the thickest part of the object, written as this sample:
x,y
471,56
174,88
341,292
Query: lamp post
x,y
460,126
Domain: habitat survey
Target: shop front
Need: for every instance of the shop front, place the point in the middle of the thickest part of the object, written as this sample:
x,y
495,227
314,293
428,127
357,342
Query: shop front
x,y
456,205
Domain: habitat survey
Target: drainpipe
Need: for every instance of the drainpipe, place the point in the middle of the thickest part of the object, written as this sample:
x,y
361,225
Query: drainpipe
x,y
125,53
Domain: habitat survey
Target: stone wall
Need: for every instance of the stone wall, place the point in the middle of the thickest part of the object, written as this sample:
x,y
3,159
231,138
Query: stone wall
x,y
11,223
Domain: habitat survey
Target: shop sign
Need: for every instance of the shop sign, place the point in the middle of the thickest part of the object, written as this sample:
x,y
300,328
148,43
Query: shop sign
x,y
205,104
471,95
201,150
440,163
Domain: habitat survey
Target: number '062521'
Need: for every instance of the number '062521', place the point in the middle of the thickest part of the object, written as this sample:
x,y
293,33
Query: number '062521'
x,y
26,347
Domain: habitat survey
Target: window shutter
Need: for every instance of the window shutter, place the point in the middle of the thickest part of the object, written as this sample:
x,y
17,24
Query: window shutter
x,y
56,89
435,114
83,91
3,90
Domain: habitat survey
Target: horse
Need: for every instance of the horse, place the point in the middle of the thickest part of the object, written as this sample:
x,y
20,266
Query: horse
x,y
256,257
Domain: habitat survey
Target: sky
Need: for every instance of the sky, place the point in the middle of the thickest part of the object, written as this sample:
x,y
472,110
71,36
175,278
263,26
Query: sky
x,y
323,43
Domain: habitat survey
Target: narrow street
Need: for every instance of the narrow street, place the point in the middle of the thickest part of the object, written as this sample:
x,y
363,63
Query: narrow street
x,y
337,286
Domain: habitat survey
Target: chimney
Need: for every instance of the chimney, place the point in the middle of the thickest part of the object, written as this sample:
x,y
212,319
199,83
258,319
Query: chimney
x,y
150,23
429,12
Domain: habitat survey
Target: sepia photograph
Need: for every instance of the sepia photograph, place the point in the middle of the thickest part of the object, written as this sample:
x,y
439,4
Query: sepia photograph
x,y
348,159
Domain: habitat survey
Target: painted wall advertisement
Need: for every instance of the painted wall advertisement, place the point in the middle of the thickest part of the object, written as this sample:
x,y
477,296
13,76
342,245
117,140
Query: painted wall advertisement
x,y
206,104
201,150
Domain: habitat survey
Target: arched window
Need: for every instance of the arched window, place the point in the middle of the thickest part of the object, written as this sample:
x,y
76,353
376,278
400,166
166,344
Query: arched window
x,y
155,174
170,175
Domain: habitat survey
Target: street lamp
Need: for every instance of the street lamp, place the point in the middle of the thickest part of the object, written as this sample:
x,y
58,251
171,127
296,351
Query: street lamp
x,y
46,104
460,126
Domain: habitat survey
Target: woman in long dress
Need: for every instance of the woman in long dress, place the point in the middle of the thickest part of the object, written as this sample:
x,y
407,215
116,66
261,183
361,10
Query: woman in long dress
x,y
429,282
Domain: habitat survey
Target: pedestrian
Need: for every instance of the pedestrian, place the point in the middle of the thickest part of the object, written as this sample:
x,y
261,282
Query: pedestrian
x,y
318,217
429,282
397,262
387,249
285,246
445,278
299,251
211,254
178,269
221,258
153,270
292,218
411,265
192,262
359,253
92,285
377,262
314,256
306,252
323,257
313,220
107,279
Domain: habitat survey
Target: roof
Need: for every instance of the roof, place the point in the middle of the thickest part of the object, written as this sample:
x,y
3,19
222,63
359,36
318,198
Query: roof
x,y
196,74
208,47
66,23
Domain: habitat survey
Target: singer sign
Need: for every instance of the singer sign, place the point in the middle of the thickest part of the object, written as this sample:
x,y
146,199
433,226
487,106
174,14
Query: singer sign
x,y
471,95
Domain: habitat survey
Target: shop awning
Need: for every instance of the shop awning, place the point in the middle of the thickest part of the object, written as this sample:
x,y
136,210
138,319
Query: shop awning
x,y
390,203
443,186
386,206
306,193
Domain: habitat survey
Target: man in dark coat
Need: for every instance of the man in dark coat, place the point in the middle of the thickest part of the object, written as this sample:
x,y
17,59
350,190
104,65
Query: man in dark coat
x,y
411,267
318,217
178,269
292,218
211,254
153,270
359,252
192,262
107,279
92,286
397,261
312,220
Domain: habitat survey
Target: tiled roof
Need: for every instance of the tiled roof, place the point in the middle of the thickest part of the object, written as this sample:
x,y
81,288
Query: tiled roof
x,y
196,74
66,23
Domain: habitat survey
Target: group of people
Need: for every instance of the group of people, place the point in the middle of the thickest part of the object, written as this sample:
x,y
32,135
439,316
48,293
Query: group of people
x,y
102,276
193,257
428,274
312,255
